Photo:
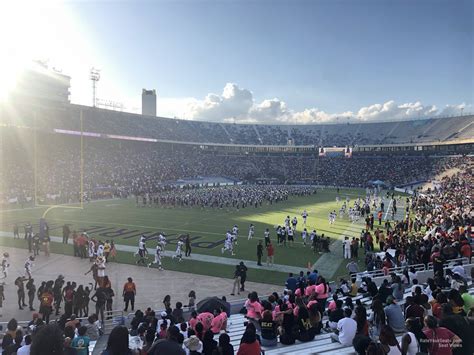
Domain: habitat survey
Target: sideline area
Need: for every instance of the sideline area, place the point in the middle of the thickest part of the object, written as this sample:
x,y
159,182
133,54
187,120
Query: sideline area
x,y
152,285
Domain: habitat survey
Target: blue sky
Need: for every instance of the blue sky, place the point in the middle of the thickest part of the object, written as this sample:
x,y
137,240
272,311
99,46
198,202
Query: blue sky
x,y
320,56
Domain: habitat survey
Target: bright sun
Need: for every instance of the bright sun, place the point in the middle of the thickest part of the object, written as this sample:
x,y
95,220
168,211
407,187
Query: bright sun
x,y
29,31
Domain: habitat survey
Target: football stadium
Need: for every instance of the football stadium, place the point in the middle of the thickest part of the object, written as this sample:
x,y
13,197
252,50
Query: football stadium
x,y
232,232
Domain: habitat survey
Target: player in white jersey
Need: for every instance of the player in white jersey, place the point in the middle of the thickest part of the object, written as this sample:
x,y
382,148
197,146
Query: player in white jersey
x,y
342,210
312,235
332,217
338,199
287,221
162,241
294,222
251,231
228,243
100,250
304,215
304,235
157,257
179,251
142,251
290,235
235,233
5,264
29,266
91,249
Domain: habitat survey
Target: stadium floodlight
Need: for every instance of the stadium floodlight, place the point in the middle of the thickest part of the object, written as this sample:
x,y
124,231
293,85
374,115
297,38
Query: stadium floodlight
x,y
462,109
94,76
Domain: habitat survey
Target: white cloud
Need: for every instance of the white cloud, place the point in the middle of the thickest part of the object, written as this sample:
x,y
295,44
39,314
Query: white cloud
x,y
233,103
450,110
237,105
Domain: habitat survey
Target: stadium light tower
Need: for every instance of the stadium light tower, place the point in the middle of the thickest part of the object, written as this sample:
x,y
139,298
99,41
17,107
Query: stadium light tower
x,y
462,109
94,76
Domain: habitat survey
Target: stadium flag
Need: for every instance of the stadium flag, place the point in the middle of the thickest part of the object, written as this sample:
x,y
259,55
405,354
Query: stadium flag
x,y
322,152
348,152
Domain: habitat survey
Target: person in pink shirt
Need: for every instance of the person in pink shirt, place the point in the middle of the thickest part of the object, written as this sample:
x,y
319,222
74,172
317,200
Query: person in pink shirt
x,y
322,291
254,308
219,322
193,320
309,290
332,304
206,319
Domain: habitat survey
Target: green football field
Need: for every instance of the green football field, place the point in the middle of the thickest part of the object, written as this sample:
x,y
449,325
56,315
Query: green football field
x,y
124,222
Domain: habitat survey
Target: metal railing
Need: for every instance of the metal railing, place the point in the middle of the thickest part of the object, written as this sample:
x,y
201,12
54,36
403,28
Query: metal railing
x,y
417,267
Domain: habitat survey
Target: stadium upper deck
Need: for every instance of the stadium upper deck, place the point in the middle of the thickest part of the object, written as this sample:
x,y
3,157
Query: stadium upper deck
x,y
356,133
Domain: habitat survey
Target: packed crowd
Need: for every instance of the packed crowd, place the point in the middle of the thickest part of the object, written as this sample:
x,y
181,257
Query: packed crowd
x,y
345,133
401,316
438,220
119,169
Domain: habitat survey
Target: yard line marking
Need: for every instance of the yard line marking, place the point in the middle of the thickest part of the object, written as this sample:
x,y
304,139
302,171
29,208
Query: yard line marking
x,y
64,204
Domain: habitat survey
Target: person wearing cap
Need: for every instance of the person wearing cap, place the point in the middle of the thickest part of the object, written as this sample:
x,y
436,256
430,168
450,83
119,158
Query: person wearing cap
x,y
394,315
194,345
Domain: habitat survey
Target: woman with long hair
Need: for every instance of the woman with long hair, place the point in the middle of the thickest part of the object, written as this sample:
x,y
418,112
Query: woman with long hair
x,y
361,320
287,331
306,332
414,341
117,344
315,317
377,318
389,341
322,291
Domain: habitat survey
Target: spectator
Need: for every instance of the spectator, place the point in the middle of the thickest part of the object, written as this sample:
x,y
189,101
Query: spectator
x,y
194,345
389,341
224,347
467,299
346,329
25,349
414,341
249,344
394,316
441,340
291,283
288,330
268,330
177,313
92,329
361,320
413,309
169,345
208,342
48,340
461,326
81,342
377,317
254,308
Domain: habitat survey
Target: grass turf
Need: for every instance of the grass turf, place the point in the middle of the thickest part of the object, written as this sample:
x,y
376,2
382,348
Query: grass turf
x,y
123,222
